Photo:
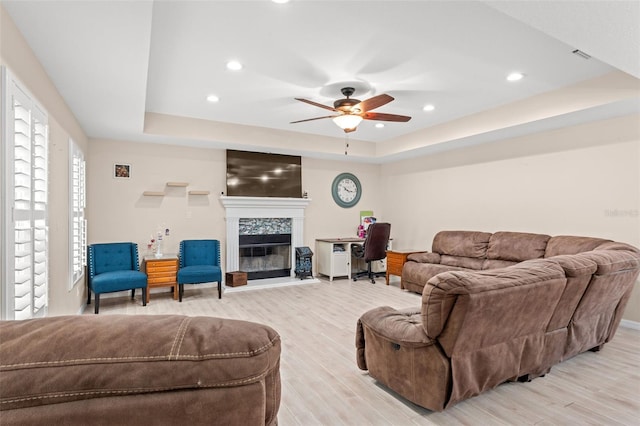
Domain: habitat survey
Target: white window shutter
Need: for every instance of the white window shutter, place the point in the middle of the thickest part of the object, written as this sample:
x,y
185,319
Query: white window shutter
x,y
25,282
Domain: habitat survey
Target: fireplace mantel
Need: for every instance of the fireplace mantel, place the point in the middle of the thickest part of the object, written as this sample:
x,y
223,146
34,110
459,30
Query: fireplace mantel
x,y
266,207
241,206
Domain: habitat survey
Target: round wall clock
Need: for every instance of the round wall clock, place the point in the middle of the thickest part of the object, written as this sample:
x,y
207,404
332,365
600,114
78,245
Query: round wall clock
x,y
346,190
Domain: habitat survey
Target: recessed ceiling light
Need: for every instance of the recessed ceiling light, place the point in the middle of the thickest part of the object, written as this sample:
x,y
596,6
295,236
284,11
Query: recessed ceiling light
x,y
428,108
234,66
379,125
213,98
515,76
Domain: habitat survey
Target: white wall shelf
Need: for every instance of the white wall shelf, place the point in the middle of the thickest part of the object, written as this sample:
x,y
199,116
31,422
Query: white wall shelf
x,y
175,185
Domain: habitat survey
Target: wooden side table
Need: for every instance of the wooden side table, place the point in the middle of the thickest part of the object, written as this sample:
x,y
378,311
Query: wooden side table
x,y
396,259
161,272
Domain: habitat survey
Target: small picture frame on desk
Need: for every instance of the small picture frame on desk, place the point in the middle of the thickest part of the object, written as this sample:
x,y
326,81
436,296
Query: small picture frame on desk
x,y
122,171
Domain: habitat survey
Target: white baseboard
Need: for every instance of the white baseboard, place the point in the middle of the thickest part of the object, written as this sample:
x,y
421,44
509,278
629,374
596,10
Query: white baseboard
x,y
630,324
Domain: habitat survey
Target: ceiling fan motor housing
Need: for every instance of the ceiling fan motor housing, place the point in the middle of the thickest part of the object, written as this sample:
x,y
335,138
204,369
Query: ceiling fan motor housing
x,y
346,104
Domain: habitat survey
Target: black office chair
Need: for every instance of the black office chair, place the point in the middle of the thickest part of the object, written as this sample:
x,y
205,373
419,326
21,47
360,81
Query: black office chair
x,y
374,248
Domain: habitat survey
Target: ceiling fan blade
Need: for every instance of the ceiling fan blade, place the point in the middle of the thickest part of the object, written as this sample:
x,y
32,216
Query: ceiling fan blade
x,y
385,117
316,104
373,103
311,119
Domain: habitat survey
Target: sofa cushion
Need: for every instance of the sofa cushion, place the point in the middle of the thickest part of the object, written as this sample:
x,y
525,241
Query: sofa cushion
x,y
199,274
91,356
118,281
517,246
424,257
495,263
461,262
566,244
419,273
461,243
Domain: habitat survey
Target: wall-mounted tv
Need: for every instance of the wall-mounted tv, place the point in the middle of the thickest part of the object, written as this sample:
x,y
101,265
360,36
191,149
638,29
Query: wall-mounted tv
x,y
259,174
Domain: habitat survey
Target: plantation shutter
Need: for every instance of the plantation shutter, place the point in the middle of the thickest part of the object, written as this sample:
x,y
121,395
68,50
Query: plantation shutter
x,y
25,281
78,224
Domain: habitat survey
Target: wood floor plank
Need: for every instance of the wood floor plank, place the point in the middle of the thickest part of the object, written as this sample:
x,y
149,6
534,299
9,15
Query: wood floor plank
x,y
322,385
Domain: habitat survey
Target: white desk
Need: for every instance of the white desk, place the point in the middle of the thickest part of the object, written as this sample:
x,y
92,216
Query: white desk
x,y
333,256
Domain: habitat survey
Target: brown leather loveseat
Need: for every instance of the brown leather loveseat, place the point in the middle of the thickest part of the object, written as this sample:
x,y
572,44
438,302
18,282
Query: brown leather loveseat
x,y
489,316
137,370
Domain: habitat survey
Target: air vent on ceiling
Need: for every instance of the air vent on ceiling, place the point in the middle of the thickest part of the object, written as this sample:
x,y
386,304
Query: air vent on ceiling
x,y
581,54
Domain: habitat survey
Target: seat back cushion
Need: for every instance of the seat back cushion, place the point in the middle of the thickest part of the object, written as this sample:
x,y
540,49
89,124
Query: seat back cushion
x,y
110,257
199,252
567,244
461,243
517,246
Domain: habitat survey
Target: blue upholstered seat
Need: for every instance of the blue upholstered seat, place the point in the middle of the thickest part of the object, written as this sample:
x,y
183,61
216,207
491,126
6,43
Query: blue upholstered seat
x,y
199,263
114,267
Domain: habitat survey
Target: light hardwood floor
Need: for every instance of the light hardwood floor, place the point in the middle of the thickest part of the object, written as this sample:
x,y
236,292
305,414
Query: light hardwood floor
x,y
321,384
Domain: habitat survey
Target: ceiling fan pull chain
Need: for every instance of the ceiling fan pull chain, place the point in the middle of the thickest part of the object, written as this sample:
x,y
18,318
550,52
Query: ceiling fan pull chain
x,y
346,143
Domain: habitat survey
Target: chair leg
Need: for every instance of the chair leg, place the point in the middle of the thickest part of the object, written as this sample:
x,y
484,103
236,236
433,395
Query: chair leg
x,y
144,297
97,308
88,296
219,289
133,293
180,291
370,271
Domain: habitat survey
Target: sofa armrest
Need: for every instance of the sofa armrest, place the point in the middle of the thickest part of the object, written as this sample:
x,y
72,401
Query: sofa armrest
x,y
401,327
424,257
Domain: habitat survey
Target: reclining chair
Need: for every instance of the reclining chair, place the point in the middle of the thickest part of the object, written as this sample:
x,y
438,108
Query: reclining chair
x,y
374,248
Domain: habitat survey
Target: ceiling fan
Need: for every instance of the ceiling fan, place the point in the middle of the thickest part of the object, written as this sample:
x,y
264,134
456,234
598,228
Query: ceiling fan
x,y
352,111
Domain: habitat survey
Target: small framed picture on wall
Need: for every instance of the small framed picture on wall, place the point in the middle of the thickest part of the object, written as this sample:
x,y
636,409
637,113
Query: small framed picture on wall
x,y
122,171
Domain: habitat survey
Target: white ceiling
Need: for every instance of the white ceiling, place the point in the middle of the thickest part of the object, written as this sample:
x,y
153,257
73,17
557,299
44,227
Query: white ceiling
x,y
116,62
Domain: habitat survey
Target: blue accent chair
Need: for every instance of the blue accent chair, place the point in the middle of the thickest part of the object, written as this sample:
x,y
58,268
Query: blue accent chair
x,y
199,263
114,267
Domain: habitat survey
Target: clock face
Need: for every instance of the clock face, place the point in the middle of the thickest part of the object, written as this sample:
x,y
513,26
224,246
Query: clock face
x,y
346,190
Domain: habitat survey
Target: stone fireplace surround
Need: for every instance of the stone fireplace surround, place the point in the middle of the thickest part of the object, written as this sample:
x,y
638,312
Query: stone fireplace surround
x,y
262,207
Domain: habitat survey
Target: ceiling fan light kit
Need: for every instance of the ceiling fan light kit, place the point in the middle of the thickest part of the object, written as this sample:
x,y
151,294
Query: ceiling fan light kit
x,y
353,111
347,121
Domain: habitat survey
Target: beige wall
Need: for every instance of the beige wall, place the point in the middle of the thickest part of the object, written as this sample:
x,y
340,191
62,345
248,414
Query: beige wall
x,y
582,180
16,55
118,210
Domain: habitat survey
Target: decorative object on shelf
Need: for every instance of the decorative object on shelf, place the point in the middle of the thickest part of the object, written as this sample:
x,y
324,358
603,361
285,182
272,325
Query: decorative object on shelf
x,y
155,243
122,171
346,190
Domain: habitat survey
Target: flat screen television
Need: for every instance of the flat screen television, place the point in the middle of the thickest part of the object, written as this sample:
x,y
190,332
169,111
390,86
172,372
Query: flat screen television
x,y
259,174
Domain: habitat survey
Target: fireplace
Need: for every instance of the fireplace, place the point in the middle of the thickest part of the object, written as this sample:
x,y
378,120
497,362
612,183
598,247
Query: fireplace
x,y
242,214
265,255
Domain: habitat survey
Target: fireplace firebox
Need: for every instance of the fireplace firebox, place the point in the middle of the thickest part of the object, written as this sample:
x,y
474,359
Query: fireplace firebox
x,y
265,255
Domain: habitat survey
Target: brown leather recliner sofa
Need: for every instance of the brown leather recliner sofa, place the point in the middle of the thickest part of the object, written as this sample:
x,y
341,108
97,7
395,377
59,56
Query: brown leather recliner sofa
x,y
495,308
135,370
